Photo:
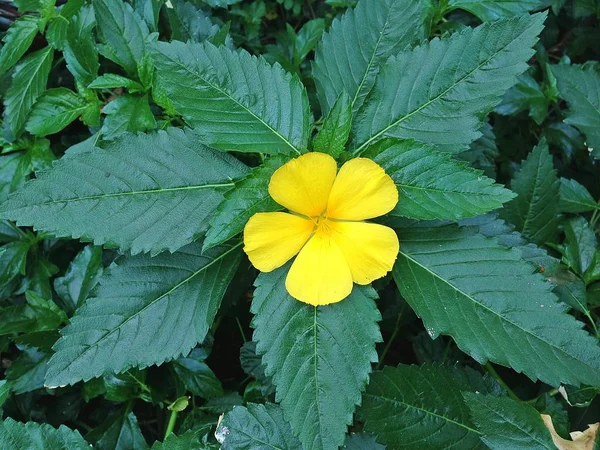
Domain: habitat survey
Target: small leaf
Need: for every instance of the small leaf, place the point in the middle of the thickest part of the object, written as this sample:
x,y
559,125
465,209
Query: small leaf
x,y
170,300
361,442
487,10
581,440
56,34
119,432
535,210
17,40
112,81
333,135
506,423
127,113
179,405
526,95
190,440
80,51
579,248
196,376
28,371
189,23
17,435
575,198
483,152
54,110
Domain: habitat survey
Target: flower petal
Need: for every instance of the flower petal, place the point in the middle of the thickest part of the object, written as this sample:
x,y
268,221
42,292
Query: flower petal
x,y
320,274
370,249
303,184
272,239
362,190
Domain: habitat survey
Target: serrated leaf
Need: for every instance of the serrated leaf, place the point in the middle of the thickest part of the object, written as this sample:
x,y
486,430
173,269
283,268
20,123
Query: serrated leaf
x,y
149,10
352,51
120,431
56,34
17,40
332,137
580,87
506,423
495,9
190,440
361,442
28,83
413,408
80,50
190,23
142,193
445,101
579,249
319,372
453,276
196,376
17,435
122,31
28,371
575,198
111,81
169,300
526,95
432,185
535,210
248,196
127,113
237,101
483,152
54,110
256,427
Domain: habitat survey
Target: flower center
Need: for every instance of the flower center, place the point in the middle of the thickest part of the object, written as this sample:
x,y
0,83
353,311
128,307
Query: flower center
x,y
322,223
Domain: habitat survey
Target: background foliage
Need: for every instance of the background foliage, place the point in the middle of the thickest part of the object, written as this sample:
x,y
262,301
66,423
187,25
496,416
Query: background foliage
x,y
137,139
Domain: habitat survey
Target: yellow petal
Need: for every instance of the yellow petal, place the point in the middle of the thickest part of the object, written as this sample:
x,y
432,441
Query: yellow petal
x,y
303,184
320,274
369,248
362,190
272,239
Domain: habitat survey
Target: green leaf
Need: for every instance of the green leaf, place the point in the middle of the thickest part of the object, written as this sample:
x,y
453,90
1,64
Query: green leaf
x,y
127,113
119,432
256,427
81,277
17,40
149,10
483,152
28,83
527,94
80,51
28,371
487,10
142,193
54,110
190,440
320,357
169,300
13,260
453,277
586,8
432,185
445,101
575,198
570,289
307,38
413,408
123,33
17,435
112,81
579,249
196,376
506,423
56,34
361,442
189,23
248,196
535,210
334,134
351,52
237,101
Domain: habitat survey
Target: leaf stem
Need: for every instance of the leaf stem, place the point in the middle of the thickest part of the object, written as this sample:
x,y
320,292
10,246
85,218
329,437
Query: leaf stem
x,y
389,342
594,218
490,369
171,424
241,329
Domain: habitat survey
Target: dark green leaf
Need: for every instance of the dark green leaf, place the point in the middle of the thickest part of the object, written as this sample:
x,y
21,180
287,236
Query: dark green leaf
x,y
190,440
444,101
169,300
317,369
149,10
111,81
452,276
307,38
56,34
17,40
570,289
526,95
119,432
190,23
334,134
196,376
580,248
80,52
148,185
13,260
575,198
127,113
31,435
357,44
495,9
28,371
361,442
535,210
483,152
432,185
54,110
237,101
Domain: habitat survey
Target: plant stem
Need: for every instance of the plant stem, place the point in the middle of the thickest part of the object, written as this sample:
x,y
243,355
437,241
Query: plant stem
x,y
171,424
241,329
389,342
489,369
594,218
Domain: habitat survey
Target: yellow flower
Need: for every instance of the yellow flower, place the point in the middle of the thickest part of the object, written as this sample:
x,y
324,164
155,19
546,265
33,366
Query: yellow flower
x,y
325,229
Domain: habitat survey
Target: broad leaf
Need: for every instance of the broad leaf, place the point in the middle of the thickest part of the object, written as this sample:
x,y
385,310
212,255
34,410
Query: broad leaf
x,y
535,210
141,193
526,95
575,198
333,135
28,83
123,32
196,376
495,9
506,423
487,298
28,371
237,101
119,432
169,301
80,51
256,427
127,113
483,152
432,185
54,110
444,101
413,408
190,23
320,357
362,442
56,34
17,435
352,51
580,87
249,195
17,40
